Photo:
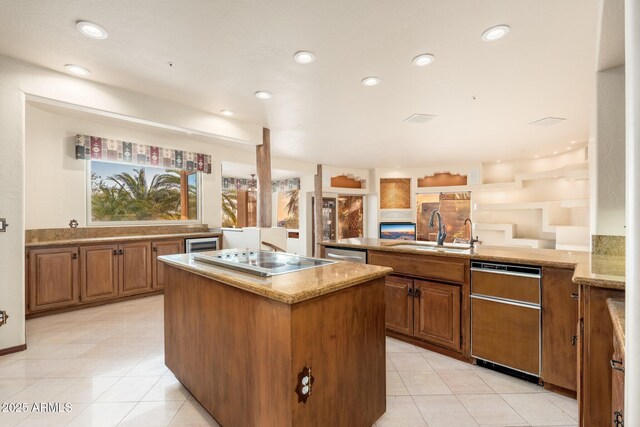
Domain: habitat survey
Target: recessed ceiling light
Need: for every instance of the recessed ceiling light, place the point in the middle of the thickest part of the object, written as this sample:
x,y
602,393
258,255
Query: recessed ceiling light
x,y
263,94
423,59
573,142
77,70
568,148
497,161
495,33
555,152
536,156
227,112
371,81
92,30
304,57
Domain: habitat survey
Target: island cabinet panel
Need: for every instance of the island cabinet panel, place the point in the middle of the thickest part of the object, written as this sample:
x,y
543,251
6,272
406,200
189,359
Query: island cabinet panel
x,y
99,272
134,266
241,354
53,278
346,354
160,248
398,304
437,313
559,331
432,267
596,352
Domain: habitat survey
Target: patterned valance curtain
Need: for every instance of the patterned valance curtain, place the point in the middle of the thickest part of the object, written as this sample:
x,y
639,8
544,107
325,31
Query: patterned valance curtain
x,y
229,183
285,185
111,150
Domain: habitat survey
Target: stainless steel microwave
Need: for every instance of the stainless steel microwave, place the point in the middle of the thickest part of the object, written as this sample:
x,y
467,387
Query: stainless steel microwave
x,y
201,245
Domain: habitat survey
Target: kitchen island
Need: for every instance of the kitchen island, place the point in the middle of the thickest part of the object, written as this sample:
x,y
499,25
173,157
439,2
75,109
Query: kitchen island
x,y
302,348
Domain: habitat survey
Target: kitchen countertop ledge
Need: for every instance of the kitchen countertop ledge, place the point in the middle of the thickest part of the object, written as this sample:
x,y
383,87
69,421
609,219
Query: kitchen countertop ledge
x,y
289,288
604,271
616,310
96,240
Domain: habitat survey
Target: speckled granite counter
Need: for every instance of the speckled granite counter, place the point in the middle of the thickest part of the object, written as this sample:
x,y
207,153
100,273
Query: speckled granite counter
x,y
603,271
288,288
616,310
97,240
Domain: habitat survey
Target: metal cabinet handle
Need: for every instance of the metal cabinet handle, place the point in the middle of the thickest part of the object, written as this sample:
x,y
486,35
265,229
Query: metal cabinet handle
x,y
74,256
410,293
154,249
574,295
330,255
416,293
115,252
616,362
120,252
574,339
618,419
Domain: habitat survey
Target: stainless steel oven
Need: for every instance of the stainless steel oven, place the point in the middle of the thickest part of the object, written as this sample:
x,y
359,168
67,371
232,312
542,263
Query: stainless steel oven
x,y
201,245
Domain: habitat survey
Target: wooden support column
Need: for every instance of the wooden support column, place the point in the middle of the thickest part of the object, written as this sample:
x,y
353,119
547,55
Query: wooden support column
x,y
318,211
263,167
184,195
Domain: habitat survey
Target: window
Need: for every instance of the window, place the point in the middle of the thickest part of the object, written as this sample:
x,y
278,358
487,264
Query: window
x,y
133,193
454,209
288,209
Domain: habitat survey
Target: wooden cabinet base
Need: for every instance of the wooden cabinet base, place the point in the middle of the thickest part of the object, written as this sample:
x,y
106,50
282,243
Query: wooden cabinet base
x,y
428,346
33,315
241,355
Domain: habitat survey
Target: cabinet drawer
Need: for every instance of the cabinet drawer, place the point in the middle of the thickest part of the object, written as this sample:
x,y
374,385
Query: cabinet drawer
x,y
516,288
433,267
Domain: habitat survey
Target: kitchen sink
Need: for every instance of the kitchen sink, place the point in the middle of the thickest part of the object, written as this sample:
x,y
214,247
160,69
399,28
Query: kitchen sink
x,y
434,248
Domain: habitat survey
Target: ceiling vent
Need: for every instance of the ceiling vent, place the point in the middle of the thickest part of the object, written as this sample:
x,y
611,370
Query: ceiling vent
x,y
548,121
419,118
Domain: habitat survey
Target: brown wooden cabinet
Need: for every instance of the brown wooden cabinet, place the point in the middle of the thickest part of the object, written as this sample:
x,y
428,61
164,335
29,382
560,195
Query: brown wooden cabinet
x,y
596,352
436,316
134,267
399,304
559,331
52,277
99,272
427,301
617,384
425,310
160,248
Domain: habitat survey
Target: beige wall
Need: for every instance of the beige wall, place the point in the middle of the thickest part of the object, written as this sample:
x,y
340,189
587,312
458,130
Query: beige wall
x,y
608,163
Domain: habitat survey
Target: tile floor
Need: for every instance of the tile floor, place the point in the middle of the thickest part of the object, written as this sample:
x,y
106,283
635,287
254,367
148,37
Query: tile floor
x,y
108,362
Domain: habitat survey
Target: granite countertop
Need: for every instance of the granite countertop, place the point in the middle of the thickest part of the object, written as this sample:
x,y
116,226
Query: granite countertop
x,y
616,310
289,288
603,271
95,240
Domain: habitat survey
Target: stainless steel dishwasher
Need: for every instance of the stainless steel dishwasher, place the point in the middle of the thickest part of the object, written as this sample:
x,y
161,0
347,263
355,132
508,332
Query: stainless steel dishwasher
x,y
506,315
346,254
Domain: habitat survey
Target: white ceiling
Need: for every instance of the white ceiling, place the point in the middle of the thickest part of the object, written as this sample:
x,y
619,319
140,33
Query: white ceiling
x,y
226,50
243,170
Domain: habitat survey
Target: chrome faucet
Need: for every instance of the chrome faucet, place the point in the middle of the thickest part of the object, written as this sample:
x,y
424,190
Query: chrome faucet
x,y
442,233
471,239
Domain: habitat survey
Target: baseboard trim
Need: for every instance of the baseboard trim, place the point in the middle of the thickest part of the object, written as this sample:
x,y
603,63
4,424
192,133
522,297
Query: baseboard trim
x,y
15,349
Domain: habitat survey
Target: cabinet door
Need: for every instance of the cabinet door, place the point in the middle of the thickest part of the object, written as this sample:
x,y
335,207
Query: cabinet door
x,y
166,247
399,305
134,266
437,313
617,383
559,318
52,278
99,272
